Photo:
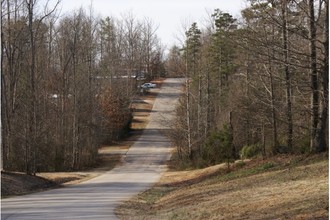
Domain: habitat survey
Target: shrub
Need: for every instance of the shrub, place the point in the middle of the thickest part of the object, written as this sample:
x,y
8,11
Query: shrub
x,y
218,147
250,151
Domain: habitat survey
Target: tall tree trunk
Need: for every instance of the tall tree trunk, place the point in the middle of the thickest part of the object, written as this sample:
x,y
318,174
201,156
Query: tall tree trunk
x,y
188,111
273,109
231,129
220,84
8,83
91,133
75,117
320,140
313,77
272,90
33,93
208,104
199,112
247,96
1,92
287,75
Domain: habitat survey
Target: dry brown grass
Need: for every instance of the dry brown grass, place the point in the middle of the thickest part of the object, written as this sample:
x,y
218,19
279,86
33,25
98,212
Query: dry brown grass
x,y
278,188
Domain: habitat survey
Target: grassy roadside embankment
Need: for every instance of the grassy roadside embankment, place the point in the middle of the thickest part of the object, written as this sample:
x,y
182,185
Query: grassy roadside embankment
x,y
282,187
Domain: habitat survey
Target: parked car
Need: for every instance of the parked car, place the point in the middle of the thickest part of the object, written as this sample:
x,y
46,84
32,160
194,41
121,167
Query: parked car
x,y
148,85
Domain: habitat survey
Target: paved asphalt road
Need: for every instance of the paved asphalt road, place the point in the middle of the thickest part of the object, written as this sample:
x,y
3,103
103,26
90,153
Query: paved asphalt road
x,y
97,198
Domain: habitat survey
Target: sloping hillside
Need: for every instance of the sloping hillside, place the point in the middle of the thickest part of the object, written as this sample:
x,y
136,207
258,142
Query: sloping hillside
x,y
277,188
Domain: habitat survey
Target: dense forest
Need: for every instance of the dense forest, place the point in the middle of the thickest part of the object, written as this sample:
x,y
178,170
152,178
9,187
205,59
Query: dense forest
x,y
67,82
257,85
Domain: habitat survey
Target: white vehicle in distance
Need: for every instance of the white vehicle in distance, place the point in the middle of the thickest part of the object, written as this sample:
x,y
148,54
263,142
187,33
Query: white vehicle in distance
x,y
148,85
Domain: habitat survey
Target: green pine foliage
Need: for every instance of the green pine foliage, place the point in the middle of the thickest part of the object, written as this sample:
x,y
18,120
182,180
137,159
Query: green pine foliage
x,y
218,147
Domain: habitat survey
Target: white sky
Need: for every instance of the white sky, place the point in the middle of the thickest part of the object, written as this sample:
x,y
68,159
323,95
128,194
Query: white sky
x,y
168,15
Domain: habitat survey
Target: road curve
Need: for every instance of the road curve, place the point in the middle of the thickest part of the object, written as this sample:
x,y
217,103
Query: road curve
x,y
97,198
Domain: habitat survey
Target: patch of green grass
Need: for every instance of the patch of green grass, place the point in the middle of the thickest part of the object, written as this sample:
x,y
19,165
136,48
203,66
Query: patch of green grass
x,y
244,172
238,174
266,166
154,194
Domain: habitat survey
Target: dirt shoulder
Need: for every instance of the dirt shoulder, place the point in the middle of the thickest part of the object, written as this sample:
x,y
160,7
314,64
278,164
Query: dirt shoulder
x,y
15,183
282,187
